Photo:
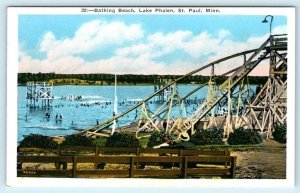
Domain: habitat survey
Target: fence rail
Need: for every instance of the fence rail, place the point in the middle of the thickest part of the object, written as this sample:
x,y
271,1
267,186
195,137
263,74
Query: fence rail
x,y
65,150
177,166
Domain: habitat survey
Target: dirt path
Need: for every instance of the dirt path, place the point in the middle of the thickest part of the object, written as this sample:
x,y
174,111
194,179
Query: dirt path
x,y
267,163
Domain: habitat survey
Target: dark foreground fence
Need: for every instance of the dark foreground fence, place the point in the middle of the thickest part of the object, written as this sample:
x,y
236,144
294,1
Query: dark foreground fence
x,y
71,150
168,163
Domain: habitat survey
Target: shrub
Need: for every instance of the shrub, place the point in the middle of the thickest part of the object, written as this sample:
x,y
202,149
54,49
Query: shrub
x,y
244,136
122,140
100,142
39,141
157,138
78,140
210,136
279,133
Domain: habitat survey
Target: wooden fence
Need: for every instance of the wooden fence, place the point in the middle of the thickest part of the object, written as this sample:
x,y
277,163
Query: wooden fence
x,y
67,150
170,163
182,166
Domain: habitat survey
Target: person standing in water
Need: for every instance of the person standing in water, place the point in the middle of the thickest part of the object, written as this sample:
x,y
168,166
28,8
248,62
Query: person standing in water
x,y
56,117
60,117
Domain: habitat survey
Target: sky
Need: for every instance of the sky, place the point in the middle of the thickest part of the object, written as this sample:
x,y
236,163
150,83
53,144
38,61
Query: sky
x,y
138,44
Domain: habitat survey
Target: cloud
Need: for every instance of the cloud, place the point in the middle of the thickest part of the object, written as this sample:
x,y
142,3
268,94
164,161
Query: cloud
x,y
159,44
136,53
59,65
89,37
156,45
49,42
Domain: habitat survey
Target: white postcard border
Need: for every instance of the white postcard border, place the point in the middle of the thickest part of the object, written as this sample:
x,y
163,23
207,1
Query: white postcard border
x,y
12,69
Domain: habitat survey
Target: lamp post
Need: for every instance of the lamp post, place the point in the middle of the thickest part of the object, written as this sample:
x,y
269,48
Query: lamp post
x,y
266,21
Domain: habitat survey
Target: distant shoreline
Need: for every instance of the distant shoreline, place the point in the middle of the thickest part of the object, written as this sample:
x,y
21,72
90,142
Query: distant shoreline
x,y
119,84
123,79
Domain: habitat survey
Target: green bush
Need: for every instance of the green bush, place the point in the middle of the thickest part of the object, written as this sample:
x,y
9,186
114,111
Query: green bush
x,y
157,138
122,140
38,141
244,136
279,133
210,136
100,142
78,140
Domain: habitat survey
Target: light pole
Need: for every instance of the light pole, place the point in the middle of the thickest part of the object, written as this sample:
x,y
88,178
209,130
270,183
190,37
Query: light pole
x,y
266,21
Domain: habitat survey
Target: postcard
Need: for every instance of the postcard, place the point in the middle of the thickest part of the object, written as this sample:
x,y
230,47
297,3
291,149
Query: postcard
x,y
162,96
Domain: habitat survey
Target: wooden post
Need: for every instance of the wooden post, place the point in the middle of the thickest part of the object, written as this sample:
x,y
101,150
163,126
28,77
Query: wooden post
x,y
138,151
180,154
74,167
57,164
131,172
65,165
137,154
185,166
233,166
96,154
97,151
58,151
227,153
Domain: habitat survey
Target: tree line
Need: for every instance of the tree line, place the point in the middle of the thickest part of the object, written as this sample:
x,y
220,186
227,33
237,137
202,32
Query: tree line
x,y
23,78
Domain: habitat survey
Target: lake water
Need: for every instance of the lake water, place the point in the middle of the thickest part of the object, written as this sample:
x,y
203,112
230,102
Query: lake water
x,y
83,113
93,105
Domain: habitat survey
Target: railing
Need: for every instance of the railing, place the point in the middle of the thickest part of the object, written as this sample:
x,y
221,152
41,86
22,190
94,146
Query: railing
x,y
67,150
178,166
